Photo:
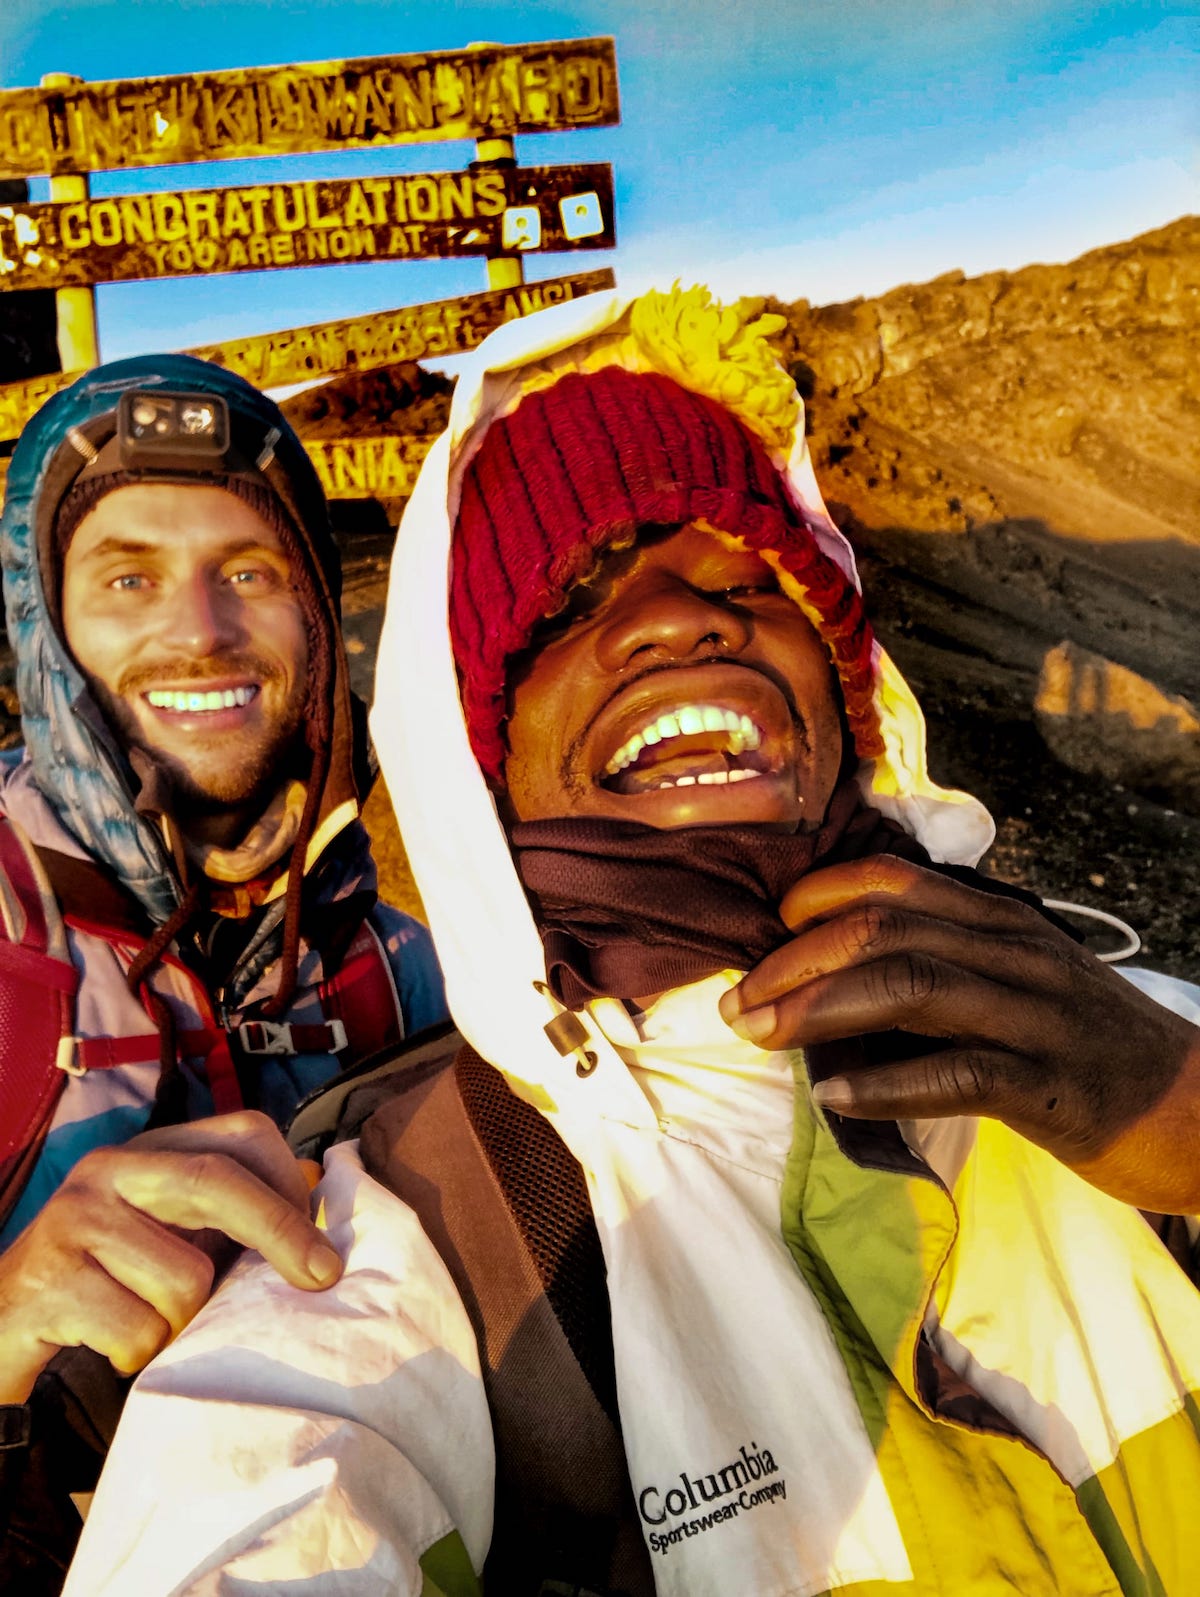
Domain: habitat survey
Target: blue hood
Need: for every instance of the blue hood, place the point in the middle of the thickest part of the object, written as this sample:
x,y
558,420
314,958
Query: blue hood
x,y
77,761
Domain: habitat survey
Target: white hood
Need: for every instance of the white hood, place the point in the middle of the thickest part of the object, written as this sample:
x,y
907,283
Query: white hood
x,y
485,933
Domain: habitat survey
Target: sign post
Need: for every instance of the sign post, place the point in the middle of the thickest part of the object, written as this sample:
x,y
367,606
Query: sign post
x,y
78,345
503,271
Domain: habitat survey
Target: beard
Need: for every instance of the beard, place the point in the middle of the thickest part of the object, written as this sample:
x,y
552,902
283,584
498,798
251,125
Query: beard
x,y
225,770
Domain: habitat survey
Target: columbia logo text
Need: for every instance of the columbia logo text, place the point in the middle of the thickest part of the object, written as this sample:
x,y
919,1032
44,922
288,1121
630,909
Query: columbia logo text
x,y
732,1490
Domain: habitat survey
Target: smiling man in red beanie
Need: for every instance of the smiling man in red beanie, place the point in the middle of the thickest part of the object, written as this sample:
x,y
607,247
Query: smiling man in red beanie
x,y
674,1303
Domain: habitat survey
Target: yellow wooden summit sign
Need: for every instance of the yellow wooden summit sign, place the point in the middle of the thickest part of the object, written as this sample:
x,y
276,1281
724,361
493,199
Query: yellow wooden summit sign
x,y
354,343
494,210
486,92
259,226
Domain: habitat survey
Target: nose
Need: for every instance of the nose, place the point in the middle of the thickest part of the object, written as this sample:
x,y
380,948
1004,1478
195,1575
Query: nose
x,y
664,615
199,617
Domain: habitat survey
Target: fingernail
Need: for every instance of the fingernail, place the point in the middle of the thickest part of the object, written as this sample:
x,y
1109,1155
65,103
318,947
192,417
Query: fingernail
x,y
755,1024
834,1094
730,1005
324,1265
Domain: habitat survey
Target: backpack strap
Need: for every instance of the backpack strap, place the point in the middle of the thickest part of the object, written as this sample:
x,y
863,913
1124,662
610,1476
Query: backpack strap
x,y
38,982
506,1206
361,997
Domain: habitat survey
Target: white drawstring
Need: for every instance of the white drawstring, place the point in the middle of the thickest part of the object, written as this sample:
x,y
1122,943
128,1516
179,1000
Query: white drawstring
x,y
1134,941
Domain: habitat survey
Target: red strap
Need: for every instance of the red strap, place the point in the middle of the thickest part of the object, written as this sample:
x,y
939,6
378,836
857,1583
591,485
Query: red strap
x,y
363,996
26,896
106,1053
37,992
210,1044
222,1078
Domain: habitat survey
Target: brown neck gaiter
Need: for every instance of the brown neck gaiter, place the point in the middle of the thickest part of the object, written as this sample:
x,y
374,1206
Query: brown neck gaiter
x,y
627,910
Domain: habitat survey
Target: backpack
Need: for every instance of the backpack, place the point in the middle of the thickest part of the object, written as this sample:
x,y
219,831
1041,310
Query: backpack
x,y
506,1206
37,1006
43,892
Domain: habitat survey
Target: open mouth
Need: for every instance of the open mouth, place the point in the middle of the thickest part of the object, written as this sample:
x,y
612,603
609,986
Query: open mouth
x,y
701,745
194,701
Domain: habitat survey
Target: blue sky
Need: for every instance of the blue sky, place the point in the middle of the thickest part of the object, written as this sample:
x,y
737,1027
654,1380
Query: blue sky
x,y
816,148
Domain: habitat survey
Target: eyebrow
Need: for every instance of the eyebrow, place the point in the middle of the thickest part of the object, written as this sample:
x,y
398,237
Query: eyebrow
x,y
135,547
118,546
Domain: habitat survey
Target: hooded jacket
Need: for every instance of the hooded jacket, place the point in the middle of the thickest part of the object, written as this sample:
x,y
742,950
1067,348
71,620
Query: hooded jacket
x,y
768,1293
74,793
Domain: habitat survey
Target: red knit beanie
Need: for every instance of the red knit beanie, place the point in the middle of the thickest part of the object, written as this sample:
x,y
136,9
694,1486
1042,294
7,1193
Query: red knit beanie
x,y
580,466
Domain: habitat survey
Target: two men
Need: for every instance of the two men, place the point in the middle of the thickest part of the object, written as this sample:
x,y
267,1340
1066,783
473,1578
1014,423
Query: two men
x,y
187,804
672,1291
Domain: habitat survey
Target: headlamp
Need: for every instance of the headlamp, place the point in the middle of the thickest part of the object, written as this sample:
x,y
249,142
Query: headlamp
x,y
172,432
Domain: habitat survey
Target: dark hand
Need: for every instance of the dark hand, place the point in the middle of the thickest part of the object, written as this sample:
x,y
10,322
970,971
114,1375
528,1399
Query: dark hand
x,y
1042,1035
109,1262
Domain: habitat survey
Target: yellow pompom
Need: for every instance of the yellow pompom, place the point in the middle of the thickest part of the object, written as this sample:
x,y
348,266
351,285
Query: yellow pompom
x,y
721,351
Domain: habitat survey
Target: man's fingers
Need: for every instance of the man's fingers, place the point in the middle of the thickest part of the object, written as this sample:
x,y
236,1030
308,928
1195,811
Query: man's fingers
x,y
195,1190
884,879
112,1320
871,931
910,992
164,1270
247,1136
961,1081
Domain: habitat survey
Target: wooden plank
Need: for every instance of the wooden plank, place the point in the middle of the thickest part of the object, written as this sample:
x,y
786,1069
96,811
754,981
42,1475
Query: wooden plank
x,y
369,467
359,343
265,226
489,92
18,401
355,468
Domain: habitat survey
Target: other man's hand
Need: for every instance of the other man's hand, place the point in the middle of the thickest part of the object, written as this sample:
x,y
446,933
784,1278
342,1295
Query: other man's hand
x,y
1042,1034
107,1263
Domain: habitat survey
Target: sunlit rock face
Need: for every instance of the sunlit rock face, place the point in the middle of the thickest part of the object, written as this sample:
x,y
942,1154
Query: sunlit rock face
x,y
1101,718
1065,392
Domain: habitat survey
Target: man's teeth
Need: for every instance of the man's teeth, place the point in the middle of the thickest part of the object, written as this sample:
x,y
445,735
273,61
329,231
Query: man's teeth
x,y
217,699
740,731
709,778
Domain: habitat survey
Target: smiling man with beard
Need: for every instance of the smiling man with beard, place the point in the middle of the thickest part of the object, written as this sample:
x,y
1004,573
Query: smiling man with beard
x,y
769,1234
182,828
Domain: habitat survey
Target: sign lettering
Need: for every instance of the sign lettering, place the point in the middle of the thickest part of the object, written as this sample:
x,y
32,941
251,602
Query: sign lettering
x,y
359,343
256,227
369,468
492,91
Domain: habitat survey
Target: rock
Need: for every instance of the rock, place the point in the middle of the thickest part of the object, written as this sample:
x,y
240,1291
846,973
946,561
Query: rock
x,y
1067,393
400,398
1104,720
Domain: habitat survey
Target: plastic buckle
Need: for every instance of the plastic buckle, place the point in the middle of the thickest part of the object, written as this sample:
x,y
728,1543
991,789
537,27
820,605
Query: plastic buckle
x,y
266,1037
276,1037
65,1059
